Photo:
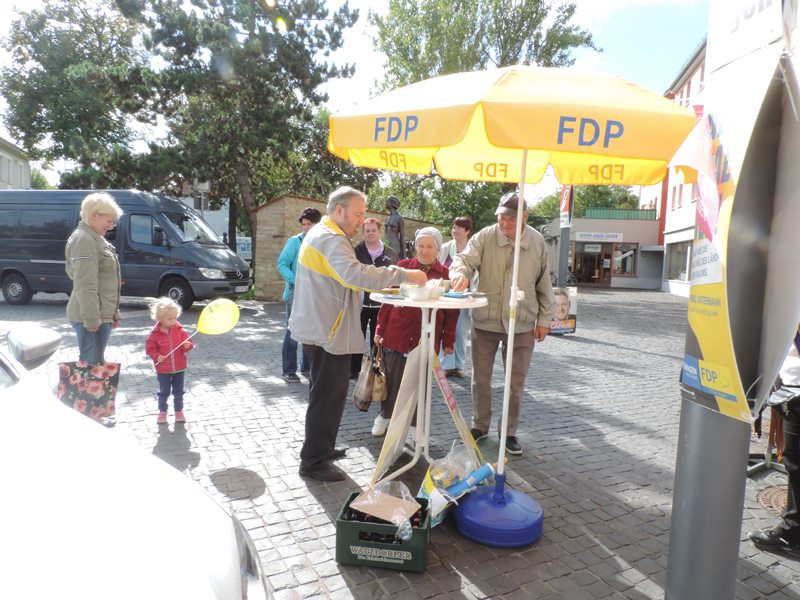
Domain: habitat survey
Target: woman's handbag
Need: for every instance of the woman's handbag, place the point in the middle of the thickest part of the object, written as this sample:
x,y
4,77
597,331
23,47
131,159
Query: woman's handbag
x,y
379,389
89,389
371,384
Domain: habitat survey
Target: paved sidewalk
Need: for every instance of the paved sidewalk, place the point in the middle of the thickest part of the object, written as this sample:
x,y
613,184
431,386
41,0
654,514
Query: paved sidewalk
x,y
599,428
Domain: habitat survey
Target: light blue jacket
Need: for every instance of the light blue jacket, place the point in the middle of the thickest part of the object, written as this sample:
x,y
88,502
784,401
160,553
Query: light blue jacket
x,y
287,263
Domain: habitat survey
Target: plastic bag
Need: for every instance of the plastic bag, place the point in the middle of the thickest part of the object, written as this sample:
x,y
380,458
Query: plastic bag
x,y
391,501
444,473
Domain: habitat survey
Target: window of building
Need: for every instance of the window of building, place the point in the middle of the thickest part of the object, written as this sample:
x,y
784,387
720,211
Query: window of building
x,y
5,169
625,259
678,261
680,196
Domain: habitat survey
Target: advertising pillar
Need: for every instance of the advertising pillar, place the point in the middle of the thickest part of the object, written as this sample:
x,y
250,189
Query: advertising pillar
x,y
738,153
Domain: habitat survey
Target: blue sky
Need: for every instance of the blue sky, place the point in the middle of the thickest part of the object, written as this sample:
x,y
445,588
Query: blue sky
x,y
645,42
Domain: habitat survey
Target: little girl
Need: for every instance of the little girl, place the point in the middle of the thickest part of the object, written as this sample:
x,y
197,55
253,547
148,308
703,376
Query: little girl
x,y
166,336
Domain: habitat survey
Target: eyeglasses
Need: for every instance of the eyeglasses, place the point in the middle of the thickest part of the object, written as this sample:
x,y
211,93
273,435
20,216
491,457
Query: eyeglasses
x,y
507,218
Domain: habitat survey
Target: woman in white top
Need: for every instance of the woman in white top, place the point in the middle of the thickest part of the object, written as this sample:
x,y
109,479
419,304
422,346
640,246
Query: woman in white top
x,y
453,364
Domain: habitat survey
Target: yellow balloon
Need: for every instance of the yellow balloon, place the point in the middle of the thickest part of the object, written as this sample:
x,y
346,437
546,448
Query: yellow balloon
x,y
217,317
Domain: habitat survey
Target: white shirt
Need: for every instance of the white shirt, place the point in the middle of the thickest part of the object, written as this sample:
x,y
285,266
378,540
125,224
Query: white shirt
x,y
790,370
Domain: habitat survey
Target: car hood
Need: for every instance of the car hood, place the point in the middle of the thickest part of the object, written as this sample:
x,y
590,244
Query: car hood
x,y
87,514
224,258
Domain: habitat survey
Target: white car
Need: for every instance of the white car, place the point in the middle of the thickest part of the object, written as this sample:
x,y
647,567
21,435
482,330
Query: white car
x,y
85,513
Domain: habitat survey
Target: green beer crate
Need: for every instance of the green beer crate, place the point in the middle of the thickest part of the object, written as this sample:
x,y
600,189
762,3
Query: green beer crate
x,y
375,544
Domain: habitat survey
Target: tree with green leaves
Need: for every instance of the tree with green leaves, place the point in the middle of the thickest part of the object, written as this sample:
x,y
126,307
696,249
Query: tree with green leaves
x,y
76,75
39,181
586,196
240,84
235,83
426,38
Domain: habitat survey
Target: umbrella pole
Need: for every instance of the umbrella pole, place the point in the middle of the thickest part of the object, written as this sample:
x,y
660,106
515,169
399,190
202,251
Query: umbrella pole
x,y
512,323
500,517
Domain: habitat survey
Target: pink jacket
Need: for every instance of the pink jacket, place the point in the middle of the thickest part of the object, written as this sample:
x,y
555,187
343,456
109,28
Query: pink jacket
x,y
162,343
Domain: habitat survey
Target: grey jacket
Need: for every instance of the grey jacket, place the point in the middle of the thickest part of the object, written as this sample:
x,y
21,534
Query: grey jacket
x,y
94,269
491,254
327,296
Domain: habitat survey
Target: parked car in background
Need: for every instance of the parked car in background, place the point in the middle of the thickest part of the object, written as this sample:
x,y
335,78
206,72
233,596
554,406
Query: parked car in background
x,y
85,513
165,248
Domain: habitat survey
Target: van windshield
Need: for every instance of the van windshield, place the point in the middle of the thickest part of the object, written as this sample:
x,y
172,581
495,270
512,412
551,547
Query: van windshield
x,y
189,228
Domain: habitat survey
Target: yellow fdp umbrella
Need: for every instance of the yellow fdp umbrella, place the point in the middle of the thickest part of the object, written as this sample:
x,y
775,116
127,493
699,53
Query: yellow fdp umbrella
x,y
592,128
508,125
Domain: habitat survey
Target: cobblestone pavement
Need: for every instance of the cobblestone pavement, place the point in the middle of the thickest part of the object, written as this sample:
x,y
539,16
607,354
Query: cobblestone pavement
x,y
599,427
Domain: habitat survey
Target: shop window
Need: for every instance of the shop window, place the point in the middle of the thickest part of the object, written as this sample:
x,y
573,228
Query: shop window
x,y
678,261
625,259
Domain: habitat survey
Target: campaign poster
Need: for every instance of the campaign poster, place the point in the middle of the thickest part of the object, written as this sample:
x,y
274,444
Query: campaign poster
x,y
565,318
734,152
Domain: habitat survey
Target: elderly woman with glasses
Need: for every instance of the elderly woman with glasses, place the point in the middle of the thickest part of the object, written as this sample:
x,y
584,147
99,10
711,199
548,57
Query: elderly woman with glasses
x,y
398,329
92,264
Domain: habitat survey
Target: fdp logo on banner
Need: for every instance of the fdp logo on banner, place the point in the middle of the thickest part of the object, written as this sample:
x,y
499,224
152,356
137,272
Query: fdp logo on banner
x,y
588,130
391,128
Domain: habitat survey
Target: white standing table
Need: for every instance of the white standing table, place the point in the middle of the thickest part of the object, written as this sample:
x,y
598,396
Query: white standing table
x,y
427,339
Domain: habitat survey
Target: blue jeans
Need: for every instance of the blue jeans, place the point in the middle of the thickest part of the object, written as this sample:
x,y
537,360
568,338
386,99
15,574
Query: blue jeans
x,y
289,349
92,344
459,355
170,382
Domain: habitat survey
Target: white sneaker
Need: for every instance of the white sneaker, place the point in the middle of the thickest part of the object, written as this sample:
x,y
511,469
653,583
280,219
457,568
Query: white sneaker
x,y
379,426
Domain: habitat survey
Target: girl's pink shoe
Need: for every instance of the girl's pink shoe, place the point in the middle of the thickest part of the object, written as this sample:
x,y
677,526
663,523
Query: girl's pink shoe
x,y
179,417
162,418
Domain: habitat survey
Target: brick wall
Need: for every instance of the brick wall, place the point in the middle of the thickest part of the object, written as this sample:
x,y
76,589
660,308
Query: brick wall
x,y
277,221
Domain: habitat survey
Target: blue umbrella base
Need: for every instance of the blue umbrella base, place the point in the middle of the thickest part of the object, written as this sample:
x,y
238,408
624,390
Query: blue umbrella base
x,y
494,516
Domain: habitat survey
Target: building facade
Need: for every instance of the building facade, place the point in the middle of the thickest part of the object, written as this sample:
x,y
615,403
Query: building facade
x,y
15,167
678,200
613,248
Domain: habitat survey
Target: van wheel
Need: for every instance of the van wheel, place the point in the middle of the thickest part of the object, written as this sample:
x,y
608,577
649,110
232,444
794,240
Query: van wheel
x,y
179,291
16,289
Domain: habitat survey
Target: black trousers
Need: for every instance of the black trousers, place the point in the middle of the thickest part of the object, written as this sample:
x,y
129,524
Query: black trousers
x,y
327,395
369,316
791,460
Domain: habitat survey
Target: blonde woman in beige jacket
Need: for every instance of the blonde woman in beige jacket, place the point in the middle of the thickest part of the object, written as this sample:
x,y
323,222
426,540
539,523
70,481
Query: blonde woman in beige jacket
x,y
92,264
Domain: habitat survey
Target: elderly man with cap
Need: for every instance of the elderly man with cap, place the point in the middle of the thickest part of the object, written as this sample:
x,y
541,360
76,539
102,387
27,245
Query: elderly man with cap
x,y
398,330
490,255
287,266
326,319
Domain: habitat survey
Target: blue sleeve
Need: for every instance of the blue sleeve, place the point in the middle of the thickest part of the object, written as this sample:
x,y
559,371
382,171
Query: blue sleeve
x,y
287,261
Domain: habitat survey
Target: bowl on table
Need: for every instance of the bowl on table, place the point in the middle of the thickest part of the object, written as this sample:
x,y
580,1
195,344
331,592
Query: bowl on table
x,y
415,292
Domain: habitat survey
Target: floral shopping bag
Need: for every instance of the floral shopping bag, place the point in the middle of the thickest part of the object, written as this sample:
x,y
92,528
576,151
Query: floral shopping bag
x,y
89,389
